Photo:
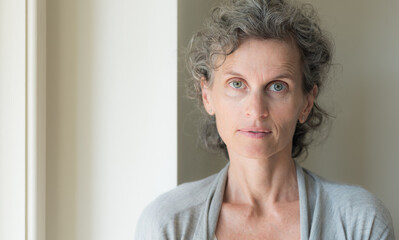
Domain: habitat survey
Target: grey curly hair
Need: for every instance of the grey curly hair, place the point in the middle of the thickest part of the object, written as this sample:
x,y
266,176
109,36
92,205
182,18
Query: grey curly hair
x,y
236,20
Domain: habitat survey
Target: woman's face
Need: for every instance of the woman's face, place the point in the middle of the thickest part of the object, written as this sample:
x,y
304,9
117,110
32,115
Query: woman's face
x,y
257,98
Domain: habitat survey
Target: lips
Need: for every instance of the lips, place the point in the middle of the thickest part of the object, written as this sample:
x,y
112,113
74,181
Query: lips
x,y
255,132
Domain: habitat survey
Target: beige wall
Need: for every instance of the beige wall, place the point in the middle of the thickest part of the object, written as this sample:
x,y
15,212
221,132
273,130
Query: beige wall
x,y
362,147
193,163
363,144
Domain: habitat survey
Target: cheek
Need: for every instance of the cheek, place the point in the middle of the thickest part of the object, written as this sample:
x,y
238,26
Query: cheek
x,y
227,107
286,117
227,113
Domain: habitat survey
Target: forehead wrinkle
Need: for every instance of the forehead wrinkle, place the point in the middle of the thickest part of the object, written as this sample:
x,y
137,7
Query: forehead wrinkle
x,y
278,66
285,71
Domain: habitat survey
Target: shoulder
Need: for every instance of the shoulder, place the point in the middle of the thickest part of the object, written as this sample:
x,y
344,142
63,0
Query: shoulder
x,y
345,196
177,205
353,205
181,198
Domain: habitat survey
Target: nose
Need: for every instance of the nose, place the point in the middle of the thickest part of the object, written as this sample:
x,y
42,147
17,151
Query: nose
x,y
257,106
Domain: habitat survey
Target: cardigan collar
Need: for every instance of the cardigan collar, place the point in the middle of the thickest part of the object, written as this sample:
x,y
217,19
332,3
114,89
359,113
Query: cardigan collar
x,y
209,216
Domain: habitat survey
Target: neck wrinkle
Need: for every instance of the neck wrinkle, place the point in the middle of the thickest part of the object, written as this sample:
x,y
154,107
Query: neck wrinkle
x,y
259,183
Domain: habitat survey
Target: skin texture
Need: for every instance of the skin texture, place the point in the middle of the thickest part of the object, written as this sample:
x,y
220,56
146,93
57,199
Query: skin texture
x,y
258,88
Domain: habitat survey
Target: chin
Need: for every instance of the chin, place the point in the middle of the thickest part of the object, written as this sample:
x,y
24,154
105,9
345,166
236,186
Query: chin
x,y
263,152
257,153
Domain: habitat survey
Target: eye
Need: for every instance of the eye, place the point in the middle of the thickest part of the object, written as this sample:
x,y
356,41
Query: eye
x,y
277,87
236,84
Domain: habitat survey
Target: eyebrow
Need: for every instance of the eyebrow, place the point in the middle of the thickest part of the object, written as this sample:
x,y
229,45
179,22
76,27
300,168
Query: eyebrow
x,y
233,73
281,76
284,75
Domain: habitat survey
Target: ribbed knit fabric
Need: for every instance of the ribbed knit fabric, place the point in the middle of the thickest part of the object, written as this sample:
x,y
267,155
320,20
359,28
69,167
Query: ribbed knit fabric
x,y
327,211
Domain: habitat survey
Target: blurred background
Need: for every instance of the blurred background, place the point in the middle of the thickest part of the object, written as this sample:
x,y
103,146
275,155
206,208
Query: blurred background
x,y
118,129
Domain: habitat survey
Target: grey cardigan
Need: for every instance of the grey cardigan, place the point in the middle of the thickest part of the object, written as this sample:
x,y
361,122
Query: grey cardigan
x,y
327,211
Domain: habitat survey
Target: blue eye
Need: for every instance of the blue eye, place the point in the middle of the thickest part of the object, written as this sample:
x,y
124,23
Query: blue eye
x,y
236,84
277,87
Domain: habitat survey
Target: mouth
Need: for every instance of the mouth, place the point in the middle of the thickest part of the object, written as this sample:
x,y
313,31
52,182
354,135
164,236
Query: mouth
x,y
255,133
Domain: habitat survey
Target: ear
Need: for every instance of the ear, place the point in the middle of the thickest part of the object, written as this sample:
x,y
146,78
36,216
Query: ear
x,y
309,102
207,96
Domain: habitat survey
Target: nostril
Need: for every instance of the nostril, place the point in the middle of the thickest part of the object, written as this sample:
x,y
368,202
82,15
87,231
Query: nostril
x,y
258,113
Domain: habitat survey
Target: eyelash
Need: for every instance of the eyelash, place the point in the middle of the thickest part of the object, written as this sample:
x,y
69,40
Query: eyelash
x,y
268,87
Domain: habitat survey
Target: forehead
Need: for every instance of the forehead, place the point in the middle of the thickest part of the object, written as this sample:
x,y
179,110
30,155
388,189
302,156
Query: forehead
x,y
266,57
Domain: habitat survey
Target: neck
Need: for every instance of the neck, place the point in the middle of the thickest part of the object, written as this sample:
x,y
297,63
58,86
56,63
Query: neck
x,y
258,182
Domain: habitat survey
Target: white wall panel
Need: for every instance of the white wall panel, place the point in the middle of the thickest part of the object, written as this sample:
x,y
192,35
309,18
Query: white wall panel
x,y
111,113
12,119
22,119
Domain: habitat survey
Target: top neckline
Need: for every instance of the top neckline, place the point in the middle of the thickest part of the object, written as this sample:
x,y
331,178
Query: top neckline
x,y
206,229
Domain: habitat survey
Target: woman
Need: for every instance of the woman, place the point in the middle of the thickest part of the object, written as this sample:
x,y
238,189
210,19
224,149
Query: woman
x,y
258,66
